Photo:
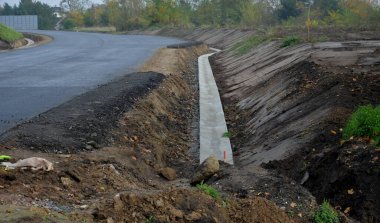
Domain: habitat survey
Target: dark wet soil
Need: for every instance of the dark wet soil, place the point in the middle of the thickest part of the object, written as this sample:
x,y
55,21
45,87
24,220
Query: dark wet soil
x,y
85,122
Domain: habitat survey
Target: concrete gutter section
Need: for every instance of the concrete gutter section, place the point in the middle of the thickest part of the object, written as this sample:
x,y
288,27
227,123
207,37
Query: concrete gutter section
x,y
212,122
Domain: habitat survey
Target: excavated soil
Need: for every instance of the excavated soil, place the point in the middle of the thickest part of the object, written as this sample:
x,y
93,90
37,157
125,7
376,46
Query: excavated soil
x,y
285,109
287,106
120,179
85,122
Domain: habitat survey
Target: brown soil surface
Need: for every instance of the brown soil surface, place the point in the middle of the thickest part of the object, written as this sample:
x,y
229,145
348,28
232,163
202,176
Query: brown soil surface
x,y
292,110
119,180
286,106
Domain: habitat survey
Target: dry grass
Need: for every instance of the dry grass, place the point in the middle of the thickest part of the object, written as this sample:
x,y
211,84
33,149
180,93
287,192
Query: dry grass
x,y
164,61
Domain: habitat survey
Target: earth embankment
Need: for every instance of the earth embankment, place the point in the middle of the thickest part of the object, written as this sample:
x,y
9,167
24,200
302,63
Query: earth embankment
x,y
286,108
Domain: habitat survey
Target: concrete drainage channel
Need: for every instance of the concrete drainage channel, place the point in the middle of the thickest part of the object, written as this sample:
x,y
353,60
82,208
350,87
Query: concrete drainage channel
x,y
213,136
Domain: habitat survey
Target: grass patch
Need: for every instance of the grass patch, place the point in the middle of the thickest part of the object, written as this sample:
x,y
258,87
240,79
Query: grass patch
x,y
291,41
325,214
214,193
151,219
227,135
246,45
364,122
9,35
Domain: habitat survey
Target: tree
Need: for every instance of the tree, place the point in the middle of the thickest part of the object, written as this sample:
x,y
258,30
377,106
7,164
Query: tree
x,y
46,18
75,5
288,8
255,13
7,10
326,6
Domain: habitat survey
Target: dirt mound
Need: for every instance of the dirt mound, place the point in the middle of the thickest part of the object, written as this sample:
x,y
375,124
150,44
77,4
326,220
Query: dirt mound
x,y
182,205
85,122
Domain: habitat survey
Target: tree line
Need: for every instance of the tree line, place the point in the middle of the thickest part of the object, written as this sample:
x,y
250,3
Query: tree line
x,y
46,18
136,14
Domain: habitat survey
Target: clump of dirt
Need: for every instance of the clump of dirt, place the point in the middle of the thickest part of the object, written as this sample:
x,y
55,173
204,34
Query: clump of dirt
x,y
183,205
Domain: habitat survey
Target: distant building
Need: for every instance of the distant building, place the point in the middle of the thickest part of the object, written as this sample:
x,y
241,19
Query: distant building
x,y
20,22
58,12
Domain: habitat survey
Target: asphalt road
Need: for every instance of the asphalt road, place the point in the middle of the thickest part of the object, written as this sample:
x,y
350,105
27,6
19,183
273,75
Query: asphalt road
x,y
37,79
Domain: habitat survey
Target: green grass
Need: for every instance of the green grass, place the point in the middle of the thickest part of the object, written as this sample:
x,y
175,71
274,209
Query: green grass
x,y
291,41
248,44
9,35
364,122
151,219
227,135
325,214
214,193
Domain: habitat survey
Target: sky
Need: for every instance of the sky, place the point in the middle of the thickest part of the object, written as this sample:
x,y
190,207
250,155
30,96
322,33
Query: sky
x,y
50,2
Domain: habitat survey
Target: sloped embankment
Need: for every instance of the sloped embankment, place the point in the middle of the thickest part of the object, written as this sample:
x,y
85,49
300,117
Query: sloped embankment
x,y
291,103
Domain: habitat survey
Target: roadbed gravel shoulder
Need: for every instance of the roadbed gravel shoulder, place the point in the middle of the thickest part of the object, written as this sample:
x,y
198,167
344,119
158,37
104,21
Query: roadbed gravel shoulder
x,y
85,122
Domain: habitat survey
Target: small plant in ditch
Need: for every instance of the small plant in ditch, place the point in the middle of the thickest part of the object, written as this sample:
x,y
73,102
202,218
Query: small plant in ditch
x,y
291,41
214,193
364,122
325,214
151,219
227,135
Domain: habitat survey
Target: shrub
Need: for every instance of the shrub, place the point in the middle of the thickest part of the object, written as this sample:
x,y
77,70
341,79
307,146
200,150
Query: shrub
x,y
325,214
364,122
291,41
214,193
68,24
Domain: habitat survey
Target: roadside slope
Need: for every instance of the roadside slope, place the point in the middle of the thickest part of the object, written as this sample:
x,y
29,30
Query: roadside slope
x,y
290,103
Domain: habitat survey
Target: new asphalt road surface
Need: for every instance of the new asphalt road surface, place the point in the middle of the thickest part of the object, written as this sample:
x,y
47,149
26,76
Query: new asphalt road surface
x,y
33,80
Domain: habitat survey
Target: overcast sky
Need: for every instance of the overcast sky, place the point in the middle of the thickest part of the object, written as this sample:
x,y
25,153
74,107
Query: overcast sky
x,y
50,2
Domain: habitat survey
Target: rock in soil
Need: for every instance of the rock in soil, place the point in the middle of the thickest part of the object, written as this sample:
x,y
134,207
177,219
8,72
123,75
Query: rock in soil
x,y
168,173
206,170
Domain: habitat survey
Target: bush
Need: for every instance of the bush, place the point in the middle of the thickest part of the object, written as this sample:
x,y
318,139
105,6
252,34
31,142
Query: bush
x,y
209,190
68,24
325,214
9,35
364,122
291,41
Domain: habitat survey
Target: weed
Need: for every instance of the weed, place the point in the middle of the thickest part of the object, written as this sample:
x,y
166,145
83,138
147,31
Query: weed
x,y
291,41
325,214
364,122
151,219
227,135
9,35
214,193
246,45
